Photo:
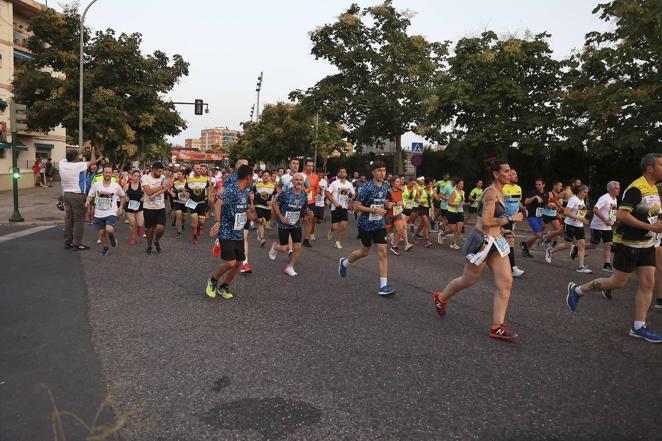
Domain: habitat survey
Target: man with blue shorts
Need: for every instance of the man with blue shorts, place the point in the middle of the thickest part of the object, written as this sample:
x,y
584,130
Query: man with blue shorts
x,y
535,203
105,194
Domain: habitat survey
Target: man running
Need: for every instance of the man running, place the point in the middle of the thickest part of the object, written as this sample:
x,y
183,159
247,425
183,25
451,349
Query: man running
x,y
263,195
604,217
339,193
178,199
635,240
154,185
197,192
512,194
372,206
474,197
535,204
312,190
232,212
106,194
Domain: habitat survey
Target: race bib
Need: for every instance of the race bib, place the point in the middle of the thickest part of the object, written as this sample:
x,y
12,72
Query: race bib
x,y
409,204
460,208
653,220
104,203
502,245
134,205
319,201
581,213
182,197
539,211
158,199
375,216
292,217
397,209
239,221
612,215
191,204
342,200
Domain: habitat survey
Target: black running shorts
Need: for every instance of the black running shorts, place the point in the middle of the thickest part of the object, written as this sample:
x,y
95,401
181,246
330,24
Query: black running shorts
x,y
574,233
339,215
154,217
284,235
370,237
232,250
626,258
598,236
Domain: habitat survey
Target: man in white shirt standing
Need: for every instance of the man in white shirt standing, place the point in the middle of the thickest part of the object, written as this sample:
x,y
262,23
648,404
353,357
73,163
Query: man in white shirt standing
x,y
106,194
72,174
604,217
154,184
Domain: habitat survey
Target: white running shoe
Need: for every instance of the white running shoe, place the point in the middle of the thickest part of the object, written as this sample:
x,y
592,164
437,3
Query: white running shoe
x,y
440,238
517,272
312,237
548,255
584,269
272,252
329,235
338,245
289,271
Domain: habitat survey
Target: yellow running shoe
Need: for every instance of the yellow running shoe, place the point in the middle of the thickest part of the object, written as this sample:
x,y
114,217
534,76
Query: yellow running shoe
x,y
224,291
211,289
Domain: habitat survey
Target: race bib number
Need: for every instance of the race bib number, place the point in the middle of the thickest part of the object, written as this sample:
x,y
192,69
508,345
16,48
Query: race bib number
x,y
460,208
134,205
409,204
375,216
239,221
502,246
158,199
612,215
182,197
539,211
319,201
292,217
104,203
397,209
653,220
342,200
581,213
191,204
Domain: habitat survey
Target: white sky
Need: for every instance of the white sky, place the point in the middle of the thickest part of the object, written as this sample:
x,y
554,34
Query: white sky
x,y
228,43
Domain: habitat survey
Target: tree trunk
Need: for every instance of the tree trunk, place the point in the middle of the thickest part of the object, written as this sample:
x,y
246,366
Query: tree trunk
x,y
397,157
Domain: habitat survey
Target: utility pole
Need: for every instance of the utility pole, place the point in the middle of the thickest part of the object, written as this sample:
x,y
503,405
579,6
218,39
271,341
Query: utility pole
x,y
17,116
257,89
80,76
317,123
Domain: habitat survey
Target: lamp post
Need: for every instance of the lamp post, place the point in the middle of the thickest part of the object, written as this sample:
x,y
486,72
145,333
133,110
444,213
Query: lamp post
x,y
80,73
257,89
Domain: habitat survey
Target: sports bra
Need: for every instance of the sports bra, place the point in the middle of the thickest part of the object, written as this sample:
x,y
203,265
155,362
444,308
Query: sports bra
x,y
499,208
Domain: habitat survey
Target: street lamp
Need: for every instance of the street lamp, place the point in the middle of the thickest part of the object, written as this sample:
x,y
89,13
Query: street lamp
x,y
257,89
80,72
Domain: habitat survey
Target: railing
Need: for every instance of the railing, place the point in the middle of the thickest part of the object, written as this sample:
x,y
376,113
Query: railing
x,y
21,38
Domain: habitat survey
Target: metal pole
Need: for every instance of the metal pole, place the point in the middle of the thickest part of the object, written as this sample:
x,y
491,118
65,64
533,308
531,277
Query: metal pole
x,y
80,78
16,215
317,123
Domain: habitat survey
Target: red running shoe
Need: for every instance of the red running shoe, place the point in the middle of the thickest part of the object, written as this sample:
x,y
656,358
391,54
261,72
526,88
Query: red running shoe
x,y
246,268
194,240
502,333
439,304
133,240
139,231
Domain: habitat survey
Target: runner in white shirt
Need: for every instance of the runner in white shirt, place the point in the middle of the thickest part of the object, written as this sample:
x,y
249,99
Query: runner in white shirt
x,y
604,217
155,184
106,194
339,193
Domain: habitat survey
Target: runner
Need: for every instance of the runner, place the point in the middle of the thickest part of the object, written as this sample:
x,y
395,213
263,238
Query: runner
x,y
574,220
133,205
474,197
635,240
290,209
512,194
657,291
426,195
372,204
535,206
232,212
154,185
445,194
409,198
106,194
312,190
178,200
456,213
399,220
486,247
320,198
441,212
339,194
604,217
264,192
550,214
197,193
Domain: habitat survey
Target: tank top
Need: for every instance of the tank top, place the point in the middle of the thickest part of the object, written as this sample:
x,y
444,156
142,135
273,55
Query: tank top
x,y
134,195
409,198
458,208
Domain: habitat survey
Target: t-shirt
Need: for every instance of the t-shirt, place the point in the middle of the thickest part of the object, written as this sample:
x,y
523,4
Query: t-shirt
x,y
607,207
578,209
153,202
447,191
535,208
313,187
441,184
285,181
341,192
643,201
105,198
197,188
372,195
70,175
233,213
292,206
409,198
263,191
512,195
178,187
476,194
319,199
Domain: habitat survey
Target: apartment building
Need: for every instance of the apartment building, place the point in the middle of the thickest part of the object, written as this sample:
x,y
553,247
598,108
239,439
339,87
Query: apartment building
x,y
15,18
213,138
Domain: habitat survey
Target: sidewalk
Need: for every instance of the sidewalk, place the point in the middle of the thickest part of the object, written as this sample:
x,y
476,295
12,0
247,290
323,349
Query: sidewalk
x,y
36,205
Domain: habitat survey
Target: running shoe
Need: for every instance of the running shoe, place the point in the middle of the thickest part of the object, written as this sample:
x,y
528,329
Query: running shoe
x,y
179,235
80,247
608,268
148,250
548,254
157,247
409,246
105,251
289,271
584,269
211,289
439,304
572,298
573,252
517,272
646,334
342,271
68,246
541,241
606,293
329,235
658,305
59,204
263,242
386,290
246,268
502,332
139,231
194,240
454,246
525,249
306,243
428,244
312,237
440,238
338,245
145,234
272,252
395,250
224,291
98,240
133,240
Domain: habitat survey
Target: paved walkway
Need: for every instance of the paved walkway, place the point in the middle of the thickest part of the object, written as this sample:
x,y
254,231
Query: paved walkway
x,y
36,205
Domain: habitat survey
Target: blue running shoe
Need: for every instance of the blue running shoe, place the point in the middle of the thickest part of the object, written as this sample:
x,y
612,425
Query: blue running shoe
x,y
386,291
572,298
342,271
646,334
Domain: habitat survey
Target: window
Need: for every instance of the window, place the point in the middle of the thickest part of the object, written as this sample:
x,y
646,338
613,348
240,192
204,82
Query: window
x,y
42,153
2,154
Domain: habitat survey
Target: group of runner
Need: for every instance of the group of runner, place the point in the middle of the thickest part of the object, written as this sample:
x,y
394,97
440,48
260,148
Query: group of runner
x,y
391,212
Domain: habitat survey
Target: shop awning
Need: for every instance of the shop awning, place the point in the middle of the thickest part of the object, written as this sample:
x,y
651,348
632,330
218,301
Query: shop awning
x,y
7,146
40,145
22,55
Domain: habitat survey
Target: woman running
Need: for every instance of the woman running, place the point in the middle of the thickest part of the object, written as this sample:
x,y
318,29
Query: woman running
x,y
398,218
132,204
456,213
550,214
486,246
426,195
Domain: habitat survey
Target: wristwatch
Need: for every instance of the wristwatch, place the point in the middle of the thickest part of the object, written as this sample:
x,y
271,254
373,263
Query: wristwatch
x,y
509,219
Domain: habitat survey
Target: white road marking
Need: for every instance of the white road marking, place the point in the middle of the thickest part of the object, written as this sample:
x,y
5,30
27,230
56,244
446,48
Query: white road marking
x,y
17,234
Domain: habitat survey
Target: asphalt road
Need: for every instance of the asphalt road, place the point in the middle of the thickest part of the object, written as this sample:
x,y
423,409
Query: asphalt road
x,y
320,357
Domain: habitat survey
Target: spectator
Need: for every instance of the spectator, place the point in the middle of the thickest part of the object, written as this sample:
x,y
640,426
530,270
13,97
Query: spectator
x,y
72,173
35,170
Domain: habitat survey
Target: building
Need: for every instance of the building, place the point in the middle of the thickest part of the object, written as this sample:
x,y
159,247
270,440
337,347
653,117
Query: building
x,y
14,24
217,137
192,143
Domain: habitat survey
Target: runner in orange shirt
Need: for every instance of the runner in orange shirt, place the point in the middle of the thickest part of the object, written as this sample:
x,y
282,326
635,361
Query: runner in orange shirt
x,y
313,190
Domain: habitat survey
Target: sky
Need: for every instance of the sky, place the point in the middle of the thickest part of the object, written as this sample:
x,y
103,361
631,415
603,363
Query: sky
x,y
228,44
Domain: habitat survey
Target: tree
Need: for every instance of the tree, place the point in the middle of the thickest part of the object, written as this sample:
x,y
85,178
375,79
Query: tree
x,y
124,98
383,74
501,94
613,103
284,131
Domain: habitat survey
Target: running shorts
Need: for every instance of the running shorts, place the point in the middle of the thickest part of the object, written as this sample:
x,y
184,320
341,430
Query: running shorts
x,y
626,258
339,215
474,242
574,233
200,209
318,211
263,213
103,222
232,250
455,218
423,211
549,219
285,233
154,217
406,212
473,210
605,236
537,224
370,237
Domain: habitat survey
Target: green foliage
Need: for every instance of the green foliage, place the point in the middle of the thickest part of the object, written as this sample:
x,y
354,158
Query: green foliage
x,y
123,89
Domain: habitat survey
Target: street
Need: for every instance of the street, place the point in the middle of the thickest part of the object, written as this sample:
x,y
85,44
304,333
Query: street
x,y
320,357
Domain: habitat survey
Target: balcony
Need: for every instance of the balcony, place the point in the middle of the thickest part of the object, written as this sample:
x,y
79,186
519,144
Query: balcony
x,y
21,39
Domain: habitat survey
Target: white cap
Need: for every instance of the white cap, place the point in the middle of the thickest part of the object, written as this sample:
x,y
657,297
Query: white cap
x,y
421,178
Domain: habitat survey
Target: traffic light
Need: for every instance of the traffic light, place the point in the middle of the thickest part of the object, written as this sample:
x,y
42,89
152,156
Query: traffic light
x,y
18,114
16,173
198,107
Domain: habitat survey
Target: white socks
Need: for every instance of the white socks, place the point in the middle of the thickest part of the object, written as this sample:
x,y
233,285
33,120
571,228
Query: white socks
x,y
382,282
